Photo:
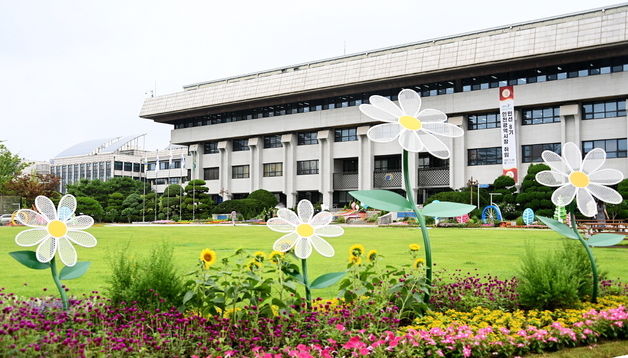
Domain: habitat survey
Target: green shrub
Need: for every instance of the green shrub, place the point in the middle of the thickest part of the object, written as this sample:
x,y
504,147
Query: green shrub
x,y
559,279
89,206
265,197
151,281
248,208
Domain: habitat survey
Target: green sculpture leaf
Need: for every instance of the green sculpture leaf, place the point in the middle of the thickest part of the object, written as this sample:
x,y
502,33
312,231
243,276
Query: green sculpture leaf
x,y
326,280
382,199
605,239
559,227
76,271
29,259
446,209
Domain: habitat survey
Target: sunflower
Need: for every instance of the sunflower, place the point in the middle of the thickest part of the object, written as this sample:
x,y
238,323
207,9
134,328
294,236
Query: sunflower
x,y
372,255
414,247
259,256
357,250
418,263
355,260
254,265
276,256
208,257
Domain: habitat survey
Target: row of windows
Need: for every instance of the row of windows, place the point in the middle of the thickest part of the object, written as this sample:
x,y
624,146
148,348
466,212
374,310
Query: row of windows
x,y
164,165
615,148
128,167
535,75
163,181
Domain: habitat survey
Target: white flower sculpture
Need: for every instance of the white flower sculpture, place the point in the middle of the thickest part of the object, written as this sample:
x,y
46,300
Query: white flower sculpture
x,y
55,230
582,179
415,128
304,230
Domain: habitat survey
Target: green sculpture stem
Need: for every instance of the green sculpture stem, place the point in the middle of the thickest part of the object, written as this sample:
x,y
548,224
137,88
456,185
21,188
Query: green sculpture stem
x,y
574,226
55,277
308,293
421,220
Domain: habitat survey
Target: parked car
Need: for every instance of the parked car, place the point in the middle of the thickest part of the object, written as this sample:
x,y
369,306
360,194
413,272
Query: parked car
x,y
5,219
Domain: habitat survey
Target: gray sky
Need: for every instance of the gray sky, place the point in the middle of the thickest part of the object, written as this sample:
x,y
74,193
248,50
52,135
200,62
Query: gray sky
x,y
72,71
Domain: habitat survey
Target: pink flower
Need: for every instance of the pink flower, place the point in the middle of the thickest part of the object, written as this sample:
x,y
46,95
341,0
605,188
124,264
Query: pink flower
x,y
340,327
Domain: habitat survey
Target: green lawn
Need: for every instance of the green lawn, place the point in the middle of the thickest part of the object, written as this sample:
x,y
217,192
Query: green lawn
x,y
494,251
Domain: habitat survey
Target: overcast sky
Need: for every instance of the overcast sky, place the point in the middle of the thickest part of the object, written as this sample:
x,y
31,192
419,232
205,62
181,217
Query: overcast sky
x,y
72,71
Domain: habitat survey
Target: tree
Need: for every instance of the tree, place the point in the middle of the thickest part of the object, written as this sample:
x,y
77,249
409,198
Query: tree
x,y
170,200
10,166
248,208
126,186
197,203
265,197
89,206
505,186
95,189
132,207
619,211
114,207
29,186
534,195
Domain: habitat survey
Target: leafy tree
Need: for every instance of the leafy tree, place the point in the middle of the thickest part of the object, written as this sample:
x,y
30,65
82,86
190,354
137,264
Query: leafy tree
x,y
505,186
95,189
132,207
248,208
29,186
534,195
170,200
197,203
265,197
10,166
151,206
89,206
619,211
126,186
114,207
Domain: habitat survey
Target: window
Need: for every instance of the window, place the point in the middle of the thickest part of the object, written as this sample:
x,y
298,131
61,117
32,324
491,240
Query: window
x,y
163,165
427,161
160,181
174,180
350,166
176,164
136,167
151,166
240,145
532,153
483,121
607,109
307,138
116,166
485,156
210,148
240,171
386,164
273,169
272,141
541,115
342,198
345,135
211,173
307,167
615,148
128,166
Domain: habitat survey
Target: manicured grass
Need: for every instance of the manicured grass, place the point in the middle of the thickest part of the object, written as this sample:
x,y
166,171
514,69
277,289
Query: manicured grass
x,y
602,350
490,251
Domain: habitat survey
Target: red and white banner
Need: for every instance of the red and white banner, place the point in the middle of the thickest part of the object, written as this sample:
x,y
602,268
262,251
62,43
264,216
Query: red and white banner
x,y
509,142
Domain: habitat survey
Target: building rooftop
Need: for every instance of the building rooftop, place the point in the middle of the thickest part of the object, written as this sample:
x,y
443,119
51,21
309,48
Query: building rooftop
x,y
102,146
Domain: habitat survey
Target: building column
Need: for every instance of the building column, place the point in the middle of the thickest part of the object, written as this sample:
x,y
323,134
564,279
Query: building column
x,y
570,123
224,147
255,164
457,168
365,160
326,167
289,148
196,161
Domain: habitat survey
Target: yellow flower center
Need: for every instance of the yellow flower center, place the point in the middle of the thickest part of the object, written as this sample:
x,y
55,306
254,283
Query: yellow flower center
x,y
305,230
57,228
579,179
410,123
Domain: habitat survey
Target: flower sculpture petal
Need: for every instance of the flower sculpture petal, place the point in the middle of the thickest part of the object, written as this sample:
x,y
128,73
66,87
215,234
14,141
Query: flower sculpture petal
x,y
415,129
55,229
304,231
580,178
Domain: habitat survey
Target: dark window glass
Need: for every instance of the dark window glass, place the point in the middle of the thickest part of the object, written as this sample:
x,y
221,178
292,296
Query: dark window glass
x,y
606,109
541,115
136,167
211,173
615,148
387,163
350,166
272,141
273,169
427,161
306,138
483,121
210,148
239,171
346,134
164,164
116,166
342,198
151,166
176,164
128,166
485,156
306,167
532,153
240,145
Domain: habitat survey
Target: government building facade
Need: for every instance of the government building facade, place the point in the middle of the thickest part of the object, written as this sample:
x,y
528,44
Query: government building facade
x,y
297,131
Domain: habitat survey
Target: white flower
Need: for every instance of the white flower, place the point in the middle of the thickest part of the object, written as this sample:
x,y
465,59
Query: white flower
x,y
414,127
580,178
304,231
55,230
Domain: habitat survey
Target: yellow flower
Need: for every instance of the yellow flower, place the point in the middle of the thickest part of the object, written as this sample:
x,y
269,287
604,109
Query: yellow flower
x,y
208,257
356,250
355,260
276,256
372,255
254,265
418,263
259,256
414,247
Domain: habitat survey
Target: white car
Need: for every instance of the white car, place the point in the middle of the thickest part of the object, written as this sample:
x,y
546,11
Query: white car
x,y
5,219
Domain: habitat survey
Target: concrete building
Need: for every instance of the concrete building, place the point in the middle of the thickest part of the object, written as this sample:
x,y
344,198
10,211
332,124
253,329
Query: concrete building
x,y
38,167
165,167
297,130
